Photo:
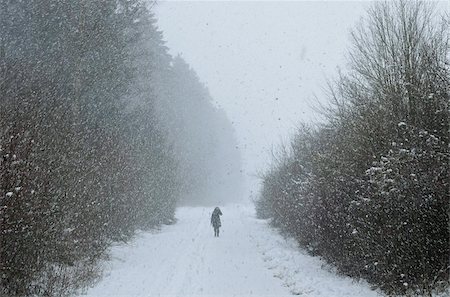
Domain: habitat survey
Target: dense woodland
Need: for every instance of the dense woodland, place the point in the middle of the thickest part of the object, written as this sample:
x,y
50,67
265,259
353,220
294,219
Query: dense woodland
x,y
203,139
94,138
368,189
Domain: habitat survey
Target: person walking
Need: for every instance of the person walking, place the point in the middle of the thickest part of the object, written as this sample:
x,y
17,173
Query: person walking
x,y
215,221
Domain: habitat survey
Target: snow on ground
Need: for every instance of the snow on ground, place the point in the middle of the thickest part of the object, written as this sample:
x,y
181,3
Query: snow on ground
x,y
248,259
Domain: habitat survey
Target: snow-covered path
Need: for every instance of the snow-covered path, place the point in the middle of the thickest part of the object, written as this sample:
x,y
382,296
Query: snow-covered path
x,y
185,259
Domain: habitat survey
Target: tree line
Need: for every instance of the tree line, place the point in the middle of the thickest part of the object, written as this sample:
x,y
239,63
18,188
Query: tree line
x,y
203,139
368,189
85,158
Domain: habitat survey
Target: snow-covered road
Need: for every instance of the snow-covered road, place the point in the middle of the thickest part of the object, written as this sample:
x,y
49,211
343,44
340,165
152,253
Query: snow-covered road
x,y
185,259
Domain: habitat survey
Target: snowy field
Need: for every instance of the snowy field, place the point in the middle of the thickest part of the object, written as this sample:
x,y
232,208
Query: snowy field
x,y
248,259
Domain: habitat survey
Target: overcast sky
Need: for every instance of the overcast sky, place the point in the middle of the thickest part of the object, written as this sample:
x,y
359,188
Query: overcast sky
x,y
263,62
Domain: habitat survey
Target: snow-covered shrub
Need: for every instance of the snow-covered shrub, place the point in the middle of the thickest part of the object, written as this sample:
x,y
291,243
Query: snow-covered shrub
x,y
80,167
405,210
369,189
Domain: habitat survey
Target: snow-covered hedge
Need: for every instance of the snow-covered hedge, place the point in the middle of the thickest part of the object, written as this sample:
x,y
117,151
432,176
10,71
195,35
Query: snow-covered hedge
x,y
369,190
83,162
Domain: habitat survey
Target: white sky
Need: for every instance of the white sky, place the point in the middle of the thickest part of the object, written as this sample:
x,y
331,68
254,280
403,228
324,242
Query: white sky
x,y
262,61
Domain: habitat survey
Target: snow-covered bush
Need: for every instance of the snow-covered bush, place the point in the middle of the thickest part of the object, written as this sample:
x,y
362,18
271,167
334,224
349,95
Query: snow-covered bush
x,y
80,165
405,211
96,138
369,189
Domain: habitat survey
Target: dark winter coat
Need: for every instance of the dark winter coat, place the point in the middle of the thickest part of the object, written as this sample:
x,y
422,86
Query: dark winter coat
x,y
215,218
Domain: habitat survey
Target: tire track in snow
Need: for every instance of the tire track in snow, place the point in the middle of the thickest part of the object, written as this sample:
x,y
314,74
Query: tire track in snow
x,y
248,259
176,270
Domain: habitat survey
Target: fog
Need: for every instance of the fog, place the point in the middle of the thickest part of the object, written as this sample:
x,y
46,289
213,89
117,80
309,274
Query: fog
x,y
264,62
224,148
